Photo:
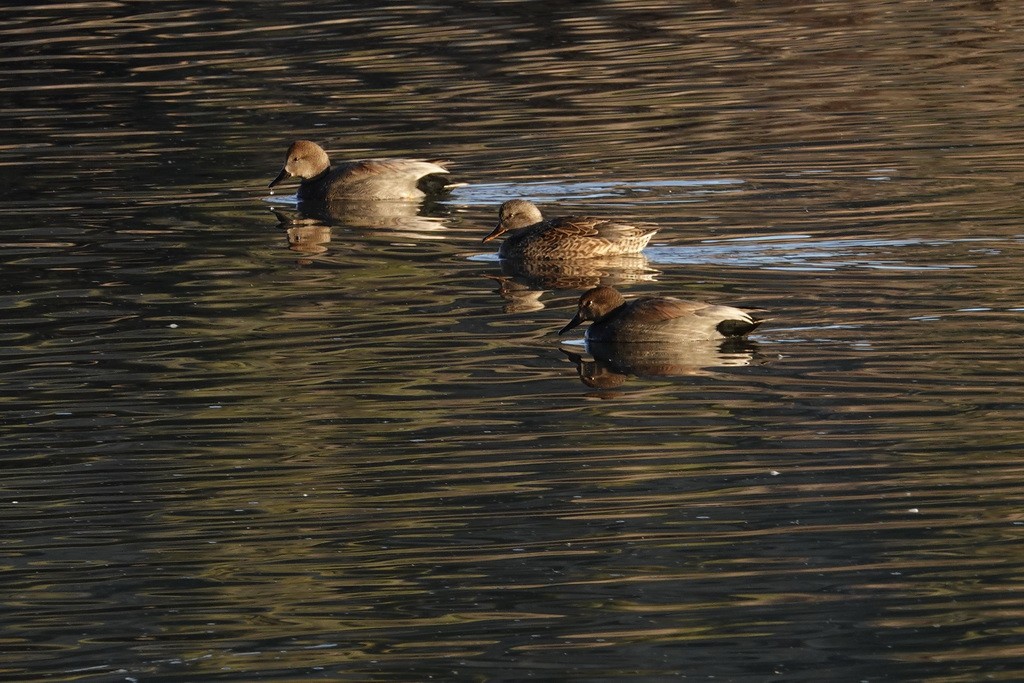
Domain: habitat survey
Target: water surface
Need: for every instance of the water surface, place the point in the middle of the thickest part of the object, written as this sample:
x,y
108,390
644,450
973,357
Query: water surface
x,y
242,445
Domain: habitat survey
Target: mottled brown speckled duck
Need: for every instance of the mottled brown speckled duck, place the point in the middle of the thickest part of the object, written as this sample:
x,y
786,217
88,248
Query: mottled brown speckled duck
x,y
529,236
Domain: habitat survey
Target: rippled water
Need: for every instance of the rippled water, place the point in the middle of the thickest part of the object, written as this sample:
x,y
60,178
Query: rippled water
x,y
242,445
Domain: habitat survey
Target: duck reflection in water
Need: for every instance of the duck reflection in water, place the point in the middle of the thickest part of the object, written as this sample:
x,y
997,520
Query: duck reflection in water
x,y
309,239
310,234
424,220
613,364
524,281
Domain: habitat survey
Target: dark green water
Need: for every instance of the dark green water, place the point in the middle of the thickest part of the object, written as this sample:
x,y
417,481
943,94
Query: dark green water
x,y
240,449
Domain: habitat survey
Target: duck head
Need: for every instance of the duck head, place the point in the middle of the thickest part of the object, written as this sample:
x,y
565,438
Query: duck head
x,y
515,214
305,160
595,304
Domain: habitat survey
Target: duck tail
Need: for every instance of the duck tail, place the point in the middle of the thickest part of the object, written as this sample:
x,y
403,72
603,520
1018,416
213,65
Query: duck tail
x,y
436,184
739,328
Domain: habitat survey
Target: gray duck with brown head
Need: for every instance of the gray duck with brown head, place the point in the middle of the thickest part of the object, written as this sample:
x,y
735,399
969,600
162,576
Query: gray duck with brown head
x,y
367,179
656,319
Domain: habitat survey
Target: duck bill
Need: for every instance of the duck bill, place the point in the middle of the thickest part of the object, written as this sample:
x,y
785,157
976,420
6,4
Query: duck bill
x,y
576,320
280,176
494,233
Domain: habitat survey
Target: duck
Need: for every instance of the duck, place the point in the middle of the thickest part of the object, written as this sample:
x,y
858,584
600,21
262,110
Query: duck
x,y
656,319
529,236
366,179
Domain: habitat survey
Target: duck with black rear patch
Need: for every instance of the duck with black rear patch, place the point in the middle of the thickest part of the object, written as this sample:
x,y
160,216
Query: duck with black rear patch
x,y
366,179
656,319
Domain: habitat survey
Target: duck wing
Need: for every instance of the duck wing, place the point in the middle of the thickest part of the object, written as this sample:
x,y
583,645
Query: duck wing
x,y
667,308
402,168
585,226
695,317
385,179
